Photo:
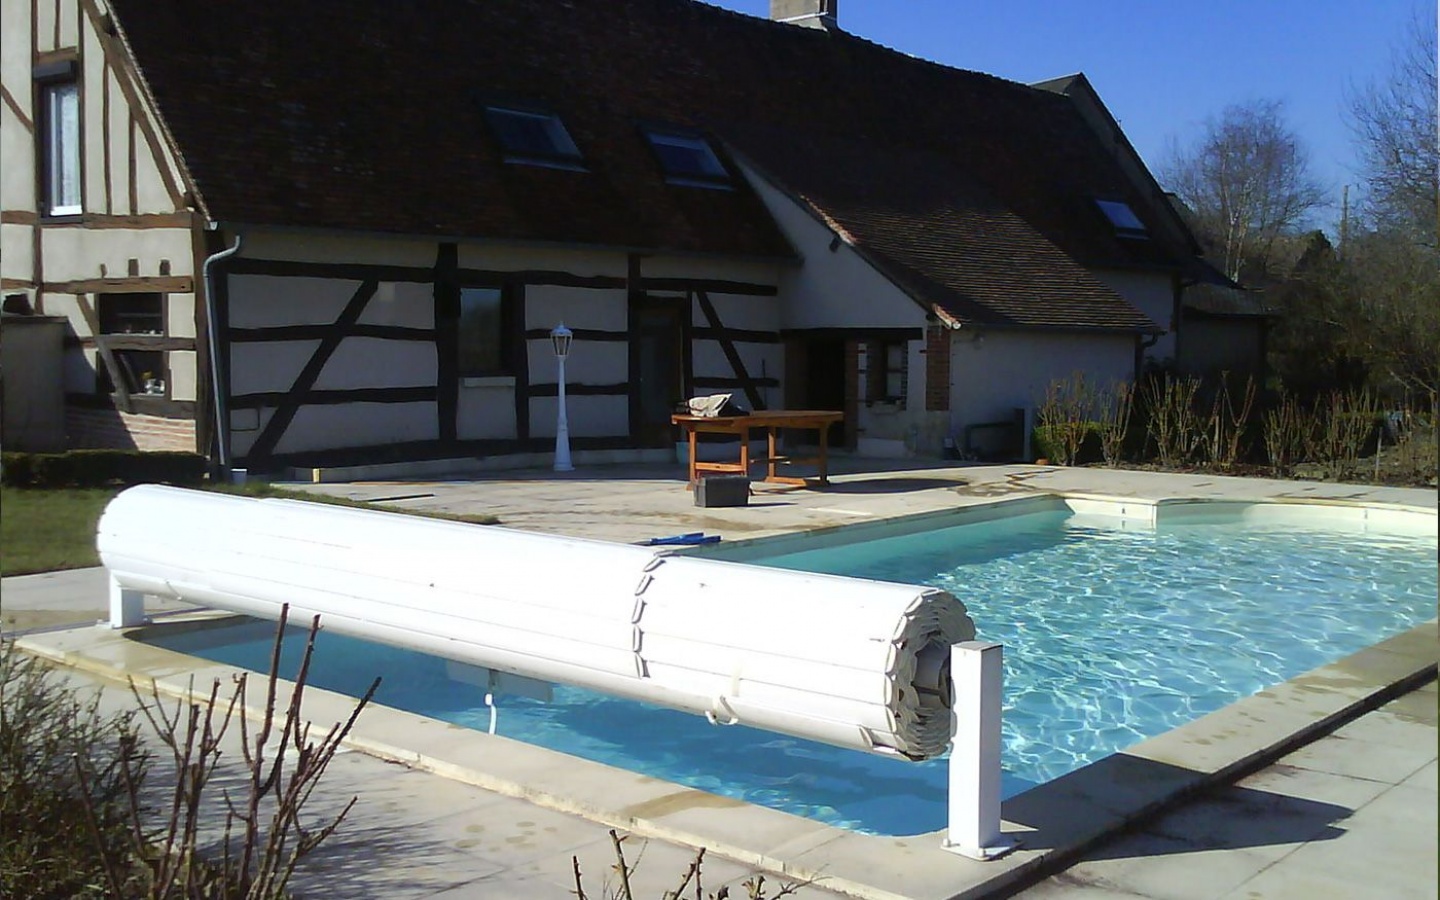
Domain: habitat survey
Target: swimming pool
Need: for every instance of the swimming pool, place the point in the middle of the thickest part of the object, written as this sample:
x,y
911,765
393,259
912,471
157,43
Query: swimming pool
x,y
1113,633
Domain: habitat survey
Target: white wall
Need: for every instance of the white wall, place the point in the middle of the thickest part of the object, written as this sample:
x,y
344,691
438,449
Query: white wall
x,y
993,374
831,288
1153,294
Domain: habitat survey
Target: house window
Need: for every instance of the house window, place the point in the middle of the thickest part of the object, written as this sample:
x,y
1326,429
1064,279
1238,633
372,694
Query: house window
x,y
688,159
885,372
131,314
482,346
60,147
1123,219
131,324
532,137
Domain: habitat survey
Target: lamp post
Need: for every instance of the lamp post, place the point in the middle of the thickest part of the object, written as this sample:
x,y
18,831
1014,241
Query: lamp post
x,y
561,338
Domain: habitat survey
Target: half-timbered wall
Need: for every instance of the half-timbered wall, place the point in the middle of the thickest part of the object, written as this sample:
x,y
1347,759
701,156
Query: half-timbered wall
x,y
348,342
133,232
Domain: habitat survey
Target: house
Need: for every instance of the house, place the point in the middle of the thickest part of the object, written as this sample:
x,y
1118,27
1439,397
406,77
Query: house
x,y
292,233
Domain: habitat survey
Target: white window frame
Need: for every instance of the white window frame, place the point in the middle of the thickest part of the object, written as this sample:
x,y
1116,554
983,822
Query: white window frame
x,y
60,147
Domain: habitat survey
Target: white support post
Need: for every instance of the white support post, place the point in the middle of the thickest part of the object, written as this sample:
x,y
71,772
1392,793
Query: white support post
x,y
127,607
977,675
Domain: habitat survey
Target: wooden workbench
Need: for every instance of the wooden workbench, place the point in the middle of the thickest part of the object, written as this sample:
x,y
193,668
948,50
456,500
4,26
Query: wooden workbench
x,y
770,420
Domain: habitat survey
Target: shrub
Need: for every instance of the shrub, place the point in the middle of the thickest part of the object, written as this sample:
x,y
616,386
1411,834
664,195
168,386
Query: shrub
x,y
100,468
1054,442
61,825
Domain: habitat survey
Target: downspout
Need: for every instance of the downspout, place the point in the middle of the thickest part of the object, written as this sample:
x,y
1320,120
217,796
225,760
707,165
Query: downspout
x,y
222,418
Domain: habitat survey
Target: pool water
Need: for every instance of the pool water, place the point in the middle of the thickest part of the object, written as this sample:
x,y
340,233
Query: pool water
x,y
1111,635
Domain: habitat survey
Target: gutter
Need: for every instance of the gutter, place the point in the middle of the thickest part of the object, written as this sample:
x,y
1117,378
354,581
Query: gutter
x,y
222,418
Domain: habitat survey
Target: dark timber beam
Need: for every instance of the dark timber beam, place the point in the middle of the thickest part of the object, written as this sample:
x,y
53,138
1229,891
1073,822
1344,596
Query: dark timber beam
x,y
737,365
284,414
446,279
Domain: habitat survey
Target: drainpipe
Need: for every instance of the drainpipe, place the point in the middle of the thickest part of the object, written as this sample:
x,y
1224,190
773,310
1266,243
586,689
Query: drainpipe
x,y
222,418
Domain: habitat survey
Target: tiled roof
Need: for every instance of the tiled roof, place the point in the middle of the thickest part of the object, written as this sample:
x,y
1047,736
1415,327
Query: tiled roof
x,y
937,233
368,115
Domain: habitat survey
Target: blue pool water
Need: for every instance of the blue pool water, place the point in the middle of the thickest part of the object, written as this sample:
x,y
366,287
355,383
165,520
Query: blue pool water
x,y
1111,636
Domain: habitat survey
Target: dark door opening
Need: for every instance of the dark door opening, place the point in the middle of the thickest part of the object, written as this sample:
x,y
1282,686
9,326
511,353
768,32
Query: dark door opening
x,y
658,369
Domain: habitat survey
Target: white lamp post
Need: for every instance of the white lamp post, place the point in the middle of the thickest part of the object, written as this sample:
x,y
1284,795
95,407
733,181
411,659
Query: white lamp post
x,y
561,338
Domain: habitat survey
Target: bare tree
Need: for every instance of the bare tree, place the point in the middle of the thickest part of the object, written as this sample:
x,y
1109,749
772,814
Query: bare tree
x,y
1394,122
1246,182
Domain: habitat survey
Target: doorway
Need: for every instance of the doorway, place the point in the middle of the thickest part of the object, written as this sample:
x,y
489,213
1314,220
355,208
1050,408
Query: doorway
x,y
657,367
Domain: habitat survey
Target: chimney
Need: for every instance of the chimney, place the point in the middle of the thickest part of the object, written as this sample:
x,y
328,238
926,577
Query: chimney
x,y
810,13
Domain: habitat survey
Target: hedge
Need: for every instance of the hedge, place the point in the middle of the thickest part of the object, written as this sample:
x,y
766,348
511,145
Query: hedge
x,y
101,468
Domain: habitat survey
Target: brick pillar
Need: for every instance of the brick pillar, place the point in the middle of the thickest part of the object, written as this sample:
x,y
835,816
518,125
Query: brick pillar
x,y
937,368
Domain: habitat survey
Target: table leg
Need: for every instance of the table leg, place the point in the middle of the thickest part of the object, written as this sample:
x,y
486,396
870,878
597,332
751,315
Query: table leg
x,y
690,432
824,452
745,451
770,454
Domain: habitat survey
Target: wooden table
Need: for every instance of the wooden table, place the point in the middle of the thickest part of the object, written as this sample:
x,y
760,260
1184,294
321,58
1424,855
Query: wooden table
x,y
772,421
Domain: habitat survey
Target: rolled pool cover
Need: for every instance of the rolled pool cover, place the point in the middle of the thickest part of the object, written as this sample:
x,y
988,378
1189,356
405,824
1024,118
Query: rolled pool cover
x,y
846,661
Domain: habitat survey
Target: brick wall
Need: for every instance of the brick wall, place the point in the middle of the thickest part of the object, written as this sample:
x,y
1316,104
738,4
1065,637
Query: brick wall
x,y
937,368
111,429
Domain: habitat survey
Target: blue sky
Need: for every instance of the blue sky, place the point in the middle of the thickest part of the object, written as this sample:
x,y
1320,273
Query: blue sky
x,y
1163,66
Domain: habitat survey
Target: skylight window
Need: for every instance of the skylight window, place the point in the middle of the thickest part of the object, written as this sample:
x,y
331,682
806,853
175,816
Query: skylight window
x,y
688,159
1123,218
532,137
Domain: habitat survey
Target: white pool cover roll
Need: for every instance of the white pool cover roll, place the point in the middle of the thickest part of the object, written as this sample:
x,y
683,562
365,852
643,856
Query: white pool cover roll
x,y
855,663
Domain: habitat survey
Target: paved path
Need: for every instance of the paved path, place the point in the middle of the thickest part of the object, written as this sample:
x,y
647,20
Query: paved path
x,y
1350,816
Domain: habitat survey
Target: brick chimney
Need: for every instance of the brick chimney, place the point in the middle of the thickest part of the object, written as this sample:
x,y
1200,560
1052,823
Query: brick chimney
x,y
810,13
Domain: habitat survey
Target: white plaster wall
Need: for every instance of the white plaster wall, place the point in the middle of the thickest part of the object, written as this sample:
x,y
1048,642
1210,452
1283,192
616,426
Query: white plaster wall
x,y
831,289
150,191
590,416
401,304
180,315
73,254
741,311
92,133
486,410
362,362
590,362
1151,293
319,248
17,173
182,375
17,255
265,300
66,305
761,360
350,425
992,376
271,366
598,310
714,268
119,150
513,258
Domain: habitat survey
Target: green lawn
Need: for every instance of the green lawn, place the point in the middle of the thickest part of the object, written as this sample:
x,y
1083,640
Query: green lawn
x,y
42,530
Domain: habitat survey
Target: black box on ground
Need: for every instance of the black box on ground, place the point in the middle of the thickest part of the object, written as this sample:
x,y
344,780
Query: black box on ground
x,y
722,490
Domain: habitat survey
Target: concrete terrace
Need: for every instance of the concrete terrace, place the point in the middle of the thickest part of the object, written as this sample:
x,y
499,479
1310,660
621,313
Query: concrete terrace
x,y
1324,785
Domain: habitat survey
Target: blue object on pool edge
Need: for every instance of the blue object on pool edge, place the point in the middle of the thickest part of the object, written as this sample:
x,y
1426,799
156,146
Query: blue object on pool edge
x,y
694,537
